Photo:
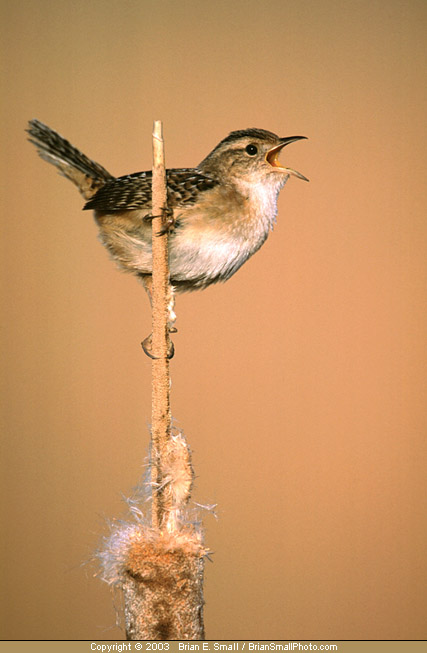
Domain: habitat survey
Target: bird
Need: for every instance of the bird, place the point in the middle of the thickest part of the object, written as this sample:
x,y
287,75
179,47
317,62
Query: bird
x,y
221,211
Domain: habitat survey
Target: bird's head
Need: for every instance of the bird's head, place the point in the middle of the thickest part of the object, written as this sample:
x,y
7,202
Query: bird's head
x,y
250,155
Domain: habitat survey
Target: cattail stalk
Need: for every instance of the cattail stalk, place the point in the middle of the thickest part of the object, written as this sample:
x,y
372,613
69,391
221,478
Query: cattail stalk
x,y
161,297
160,565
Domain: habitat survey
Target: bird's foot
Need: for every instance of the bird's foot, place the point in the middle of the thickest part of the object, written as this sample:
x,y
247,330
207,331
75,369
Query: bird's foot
x,y
168,220
147,346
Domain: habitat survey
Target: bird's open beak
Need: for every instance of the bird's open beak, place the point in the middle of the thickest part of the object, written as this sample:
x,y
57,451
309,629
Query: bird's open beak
x,y
272,156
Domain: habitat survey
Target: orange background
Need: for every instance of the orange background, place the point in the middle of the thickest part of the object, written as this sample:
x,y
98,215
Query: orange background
x,y
300,384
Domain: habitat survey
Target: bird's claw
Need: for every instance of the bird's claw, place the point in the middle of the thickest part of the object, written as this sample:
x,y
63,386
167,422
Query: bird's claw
x,y
168,224
147,344
169,220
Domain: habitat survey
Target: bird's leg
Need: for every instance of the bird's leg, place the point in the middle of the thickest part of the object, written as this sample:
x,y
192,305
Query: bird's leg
x,y
146,344
171,310
147,282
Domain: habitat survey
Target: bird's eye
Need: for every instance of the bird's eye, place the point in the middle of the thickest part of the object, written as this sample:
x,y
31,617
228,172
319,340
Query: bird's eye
x,y
251,149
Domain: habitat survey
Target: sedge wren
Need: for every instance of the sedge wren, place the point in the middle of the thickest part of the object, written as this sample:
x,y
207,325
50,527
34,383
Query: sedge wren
x,y
221,211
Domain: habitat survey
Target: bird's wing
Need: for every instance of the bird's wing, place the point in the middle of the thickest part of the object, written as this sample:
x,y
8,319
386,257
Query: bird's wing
x,y
134,191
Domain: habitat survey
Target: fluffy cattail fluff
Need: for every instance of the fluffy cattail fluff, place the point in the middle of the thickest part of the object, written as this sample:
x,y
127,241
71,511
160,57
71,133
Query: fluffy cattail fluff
x,y
177,479
160,571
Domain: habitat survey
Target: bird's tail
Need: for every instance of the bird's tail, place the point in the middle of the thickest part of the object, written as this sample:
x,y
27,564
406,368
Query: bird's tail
x,y
86,174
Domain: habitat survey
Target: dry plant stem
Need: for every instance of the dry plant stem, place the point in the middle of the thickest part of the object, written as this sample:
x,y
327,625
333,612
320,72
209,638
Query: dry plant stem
x,y
161,568
161,292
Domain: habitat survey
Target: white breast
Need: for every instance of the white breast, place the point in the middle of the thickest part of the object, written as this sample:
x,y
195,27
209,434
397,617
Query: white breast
x,y
220,250
206,255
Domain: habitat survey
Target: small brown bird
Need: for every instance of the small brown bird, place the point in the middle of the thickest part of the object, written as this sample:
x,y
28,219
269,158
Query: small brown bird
x,y
222,210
